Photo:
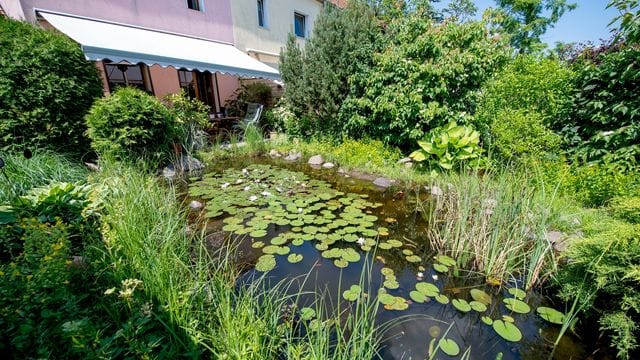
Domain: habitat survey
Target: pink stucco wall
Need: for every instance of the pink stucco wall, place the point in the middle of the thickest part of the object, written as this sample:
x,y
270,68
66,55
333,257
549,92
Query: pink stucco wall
x,y
213,23
227,85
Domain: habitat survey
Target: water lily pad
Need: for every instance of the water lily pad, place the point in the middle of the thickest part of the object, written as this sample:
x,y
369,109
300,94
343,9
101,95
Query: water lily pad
x,y
386,271
480,296
391,284
257,244
442,299
435,331
487,320
278,240
517,293
417,296
231,227
350,255
386,299
507,331
478,306
270,249
394,243
352,294
413,259
294,258
440,268
449,347
258,233
427,289
407,252
266,263
508,319
517,306
385,246
341,263
551,315
461,305
383,231
307,313
283,250
445,260
297,242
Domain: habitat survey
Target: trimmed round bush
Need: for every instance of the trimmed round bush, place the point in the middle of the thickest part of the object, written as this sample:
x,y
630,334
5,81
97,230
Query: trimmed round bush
x,y
46,88
131,123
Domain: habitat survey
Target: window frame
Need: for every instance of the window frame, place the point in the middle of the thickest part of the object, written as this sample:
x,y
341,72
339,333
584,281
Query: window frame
x,y
198,4
147,84
265,14
296,15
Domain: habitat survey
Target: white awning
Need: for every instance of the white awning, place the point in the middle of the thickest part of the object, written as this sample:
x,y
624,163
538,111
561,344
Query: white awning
x,y
102,40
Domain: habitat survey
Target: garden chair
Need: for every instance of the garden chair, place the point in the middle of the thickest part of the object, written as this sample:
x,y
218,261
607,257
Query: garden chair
x,y
254,111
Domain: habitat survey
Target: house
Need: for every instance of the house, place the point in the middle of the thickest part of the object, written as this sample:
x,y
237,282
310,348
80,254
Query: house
x,y
159,46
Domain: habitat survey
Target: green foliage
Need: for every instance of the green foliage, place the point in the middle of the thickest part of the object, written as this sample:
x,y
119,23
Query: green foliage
x,y
595,185
44,167
449,146
525,21
629,19
46,88
605,125
131,123
626,208
607,265
192,117
371,154
520,137
317,77
427,74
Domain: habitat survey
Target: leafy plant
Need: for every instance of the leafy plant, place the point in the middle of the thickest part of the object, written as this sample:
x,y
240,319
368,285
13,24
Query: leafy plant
x,y
254,92
596,184
192,117
449,146
625,208
46,88
129,124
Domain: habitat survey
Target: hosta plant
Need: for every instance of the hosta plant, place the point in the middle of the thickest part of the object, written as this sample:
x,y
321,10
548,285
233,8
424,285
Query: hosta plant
x,y
447,146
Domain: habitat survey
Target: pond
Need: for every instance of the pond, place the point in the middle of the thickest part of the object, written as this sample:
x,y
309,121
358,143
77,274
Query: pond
x,y
291,221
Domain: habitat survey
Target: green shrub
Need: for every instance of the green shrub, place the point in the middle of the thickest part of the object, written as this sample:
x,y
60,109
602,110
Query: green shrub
x,y
530,94
606,266
449,146
595,185
255,92
428,74
366,154
192,117
46,88
520,137
318,76
626,208
605,124
131,123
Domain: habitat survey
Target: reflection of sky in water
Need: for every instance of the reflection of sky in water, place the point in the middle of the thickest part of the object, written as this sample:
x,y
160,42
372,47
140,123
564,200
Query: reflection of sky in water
x,y
408,337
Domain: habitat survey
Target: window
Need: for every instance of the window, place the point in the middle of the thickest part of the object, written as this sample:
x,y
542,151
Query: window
x,y
128,75
299,24
199,85
261,14
194,5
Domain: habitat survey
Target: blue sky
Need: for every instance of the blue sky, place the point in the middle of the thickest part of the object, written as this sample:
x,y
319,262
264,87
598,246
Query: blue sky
x,y
588,22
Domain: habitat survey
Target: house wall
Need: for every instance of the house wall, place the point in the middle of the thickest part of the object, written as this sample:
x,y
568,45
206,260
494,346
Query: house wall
x,y
164,80
213,23
270,39
12,9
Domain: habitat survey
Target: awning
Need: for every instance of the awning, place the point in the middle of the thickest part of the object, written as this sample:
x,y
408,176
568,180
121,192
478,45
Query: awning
x,y
102,40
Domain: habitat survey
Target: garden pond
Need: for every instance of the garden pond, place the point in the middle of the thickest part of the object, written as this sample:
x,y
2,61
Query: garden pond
x,y
346,238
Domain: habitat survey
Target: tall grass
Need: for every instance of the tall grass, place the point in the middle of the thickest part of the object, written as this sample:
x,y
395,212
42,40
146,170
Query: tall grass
x,y
494,224
22,174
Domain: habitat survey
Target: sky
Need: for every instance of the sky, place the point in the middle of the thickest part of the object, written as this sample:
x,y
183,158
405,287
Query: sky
x,y
588,22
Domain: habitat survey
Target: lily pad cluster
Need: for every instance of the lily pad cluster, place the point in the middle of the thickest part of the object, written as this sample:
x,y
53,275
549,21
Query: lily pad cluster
x,y
261,199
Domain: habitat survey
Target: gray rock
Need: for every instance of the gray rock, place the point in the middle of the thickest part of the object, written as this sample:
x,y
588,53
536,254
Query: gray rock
x,y
559,240
328,165
195,205
293,156
274,153
405,160
169,172
315,160
436,191
189,163
554,236
383,182
92,166
342,171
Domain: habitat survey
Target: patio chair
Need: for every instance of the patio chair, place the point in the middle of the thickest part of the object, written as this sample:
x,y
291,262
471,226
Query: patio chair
x,y
252,117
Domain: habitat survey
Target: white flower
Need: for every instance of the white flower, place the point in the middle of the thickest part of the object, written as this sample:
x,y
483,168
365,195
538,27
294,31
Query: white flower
x,y
300,210
434,277
253,198
225,185
266,193
360,241
278,189
245,172
247,188
239,181
420,275
257,181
